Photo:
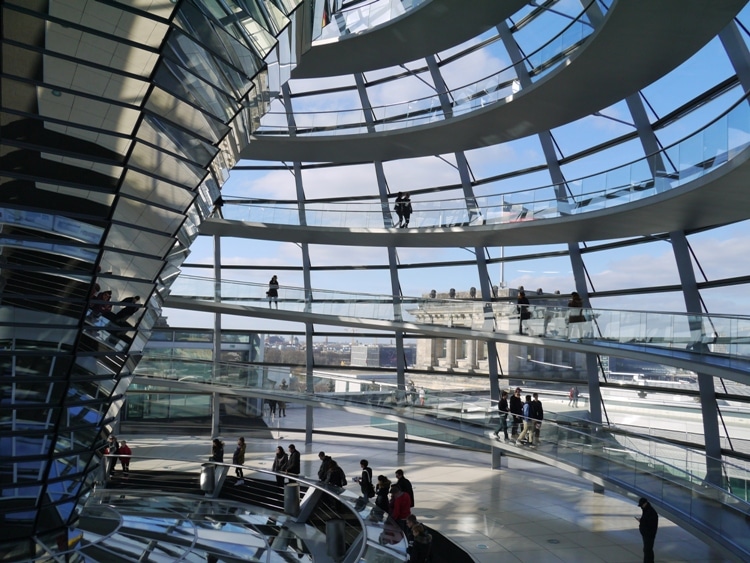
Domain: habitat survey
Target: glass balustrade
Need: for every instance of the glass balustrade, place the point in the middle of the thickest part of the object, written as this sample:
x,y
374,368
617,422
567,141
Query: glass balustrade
x,y
363,17
668,473
464,99
718,337
687,160
147,516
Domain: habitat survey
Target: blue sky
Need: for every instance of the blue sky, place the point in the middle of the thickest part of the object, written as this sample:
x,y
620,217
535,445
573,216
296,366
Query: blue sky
x,y
650,264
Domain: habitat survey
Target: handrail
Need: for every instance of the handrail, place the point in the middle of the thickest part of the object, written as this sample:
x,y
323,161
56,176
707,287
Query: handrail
x,y
595,451
474,95
718,144
362,511
474,410
717,336
362,17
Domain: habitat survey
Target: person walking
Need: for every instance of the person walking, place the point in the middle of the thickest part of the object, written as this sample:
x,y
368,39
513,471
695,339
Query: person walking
x,y
648,524
405,486
335,475
537,416
238,458
406,209
399,208
125,453
279,464
421,544
504,409
516,410
325,464
127,310
524,313
527,423
399,507
293,463
273,292
382,488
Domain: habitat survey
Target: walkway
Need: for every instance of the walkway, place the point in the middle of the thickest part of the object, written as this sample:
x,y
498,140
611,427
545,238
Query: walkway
x,y
715,344
638,42
525,512
693,194
430,27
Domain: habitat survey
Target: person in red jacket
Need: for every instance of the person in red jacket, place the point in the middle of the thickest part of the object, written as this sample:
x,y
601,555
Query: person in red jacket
x,y
400,506
125,453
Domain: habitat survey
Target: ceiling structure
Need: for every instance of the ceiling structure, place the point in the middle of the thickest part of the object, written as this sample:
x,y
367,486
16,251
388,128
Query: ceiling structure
x,y
121,122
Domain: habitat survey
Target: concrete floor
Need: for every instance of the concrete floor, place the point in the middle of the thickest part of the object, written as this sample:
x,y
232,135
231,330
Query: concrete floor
x,y
523,512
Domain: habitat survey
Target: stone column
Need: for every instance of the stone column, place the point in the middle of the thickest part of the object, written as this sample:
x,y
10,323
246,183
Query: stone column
x,y
450,352
471,353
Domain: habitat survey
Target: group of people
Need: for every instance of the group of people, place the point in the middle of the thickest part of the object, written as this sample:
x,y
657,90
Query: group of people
x,y
403,209
274,405
524,415
117,450
284,462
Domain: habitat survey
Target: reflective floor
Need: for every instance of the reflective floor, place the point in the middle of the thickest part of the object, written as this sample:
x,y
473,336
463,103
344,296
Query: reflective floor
x,y
522,512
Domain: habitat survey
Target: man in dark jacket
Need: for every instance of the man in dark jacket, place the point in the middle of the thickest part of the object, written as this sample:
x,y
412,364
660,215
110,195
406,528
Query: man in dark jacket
x,y
648,524
503,407
516,409
325,463
404,486
537,415
292,466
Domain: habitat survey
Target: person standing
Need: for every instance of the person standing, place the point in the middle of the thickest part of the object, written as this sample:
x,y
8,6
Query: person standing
x,y
524,313
238,458
405,486
502,406
125,453
648,524
576,317
217,451
537,416
516,410
113,448
292,465
273,292
279,464
365,480
282,408
527,431
382,489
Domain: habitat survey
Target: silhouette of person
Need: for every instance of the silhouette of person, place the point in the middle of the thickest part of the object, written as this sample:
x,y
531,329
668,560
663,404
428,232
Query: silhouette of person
x,y
648,524
273,292
127,310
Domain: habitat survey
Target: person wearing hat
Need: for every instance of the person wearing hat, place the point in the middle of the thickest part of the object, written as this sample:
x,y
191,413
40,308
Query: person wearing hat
x,y
648,524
